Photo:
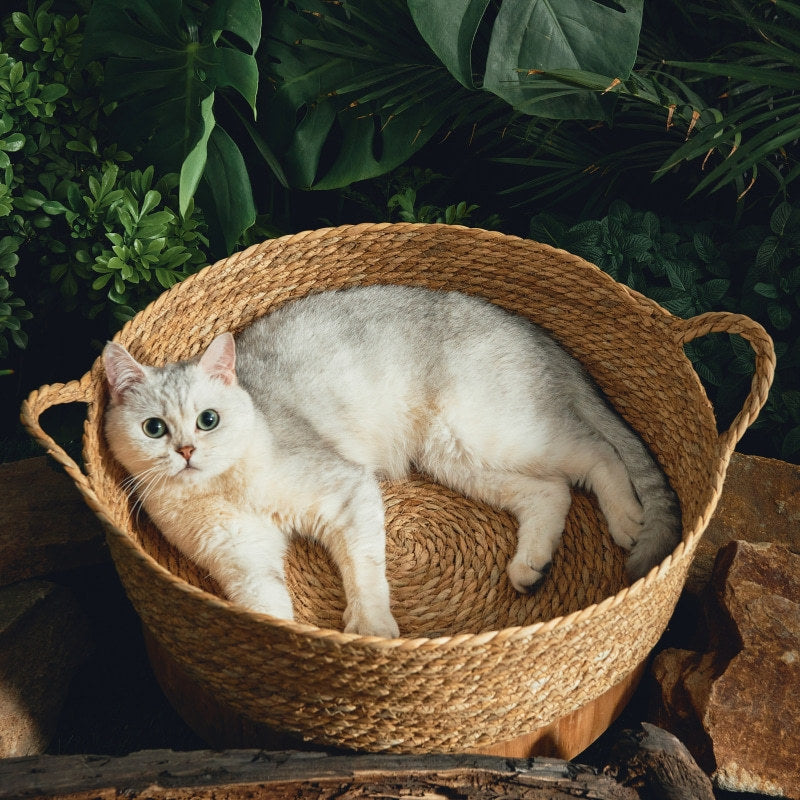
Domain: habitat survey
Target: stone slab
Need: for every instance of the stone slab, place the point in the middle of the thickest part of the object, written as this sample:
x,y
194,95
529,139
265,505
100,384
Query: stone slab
x,y
44,637
760,502
45,525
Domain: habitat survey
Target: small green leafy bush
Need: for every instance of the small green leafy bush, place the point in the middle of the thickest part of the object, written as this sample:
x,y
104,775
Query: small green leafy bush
x,y
413,194
77,227
690,269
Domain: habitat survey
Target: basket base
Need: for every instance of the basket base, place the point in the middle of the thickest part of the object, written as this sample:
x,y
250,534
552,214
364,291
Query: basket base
x,y
223,728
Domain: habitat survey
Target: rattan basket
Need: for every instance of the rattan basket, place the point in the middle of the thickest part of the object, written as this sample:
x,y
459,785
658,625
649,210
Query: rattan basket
x,y
478,664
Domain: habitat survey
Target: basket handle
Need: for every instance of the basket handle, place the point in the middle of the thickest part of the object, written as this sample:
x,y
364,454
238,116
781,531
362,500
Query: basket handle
x,y
759,340
37,402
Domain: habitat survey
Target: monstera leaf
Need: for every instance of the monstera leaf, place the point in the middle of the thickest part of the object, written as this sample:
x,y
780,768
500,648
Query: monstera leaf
x,y
504,54
167,63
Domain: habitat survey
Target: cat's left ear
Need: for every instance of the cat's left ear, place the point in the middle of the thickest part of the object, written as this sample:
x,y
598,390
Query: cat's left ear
x,y
122,370
219,361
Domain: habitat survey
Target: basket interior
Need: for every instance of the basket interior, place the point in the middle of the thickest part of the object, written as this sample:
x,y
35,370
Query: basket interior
x,y
446,555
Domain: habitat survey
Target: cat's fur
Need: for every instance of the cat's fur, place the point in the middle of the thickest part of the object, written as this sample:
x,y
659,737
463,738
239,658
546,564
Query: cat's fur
x,y
323,397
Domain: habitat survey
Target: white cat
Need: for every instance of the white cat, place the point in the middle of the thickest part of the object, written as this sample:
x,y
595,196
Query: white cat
x,y
291,426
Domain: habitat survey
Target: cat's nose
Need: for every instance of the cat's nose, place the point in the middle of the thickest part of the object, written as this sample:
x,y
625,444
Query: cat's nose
x,y
186,451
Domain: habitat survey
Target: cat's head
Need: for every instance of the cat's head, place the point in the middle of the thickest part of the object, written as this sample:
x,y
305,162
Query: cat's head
x,y
186,421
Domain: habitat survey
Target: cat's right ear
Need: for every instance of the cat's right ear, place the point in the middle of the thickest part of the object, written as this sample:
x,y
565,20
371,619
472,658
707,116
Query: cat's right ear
x,y
219,360
122,370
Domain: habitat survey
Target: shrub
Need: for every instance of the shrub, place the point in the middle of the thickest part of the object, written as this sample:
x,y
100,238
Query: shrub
x,y
86,228
692,268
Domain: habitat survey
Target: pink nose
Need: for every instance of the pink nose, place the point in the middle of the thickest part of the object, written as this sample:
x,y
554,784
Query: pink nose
x,y
186,451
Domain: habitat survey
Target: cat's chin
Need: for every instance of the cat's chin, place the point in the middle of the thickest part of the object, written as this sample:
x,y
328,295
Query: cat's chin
x,y
196,475
190,474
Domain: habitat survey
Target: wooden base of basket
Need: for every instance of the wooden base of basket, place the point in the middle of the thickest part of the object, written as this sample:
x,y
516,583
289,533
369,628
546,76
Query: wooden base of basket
x,y
223,728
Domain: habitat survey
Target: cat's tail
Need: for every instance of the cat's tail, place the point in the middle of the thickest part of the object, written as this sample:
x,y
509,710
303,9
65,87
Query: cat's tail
x,y
661,529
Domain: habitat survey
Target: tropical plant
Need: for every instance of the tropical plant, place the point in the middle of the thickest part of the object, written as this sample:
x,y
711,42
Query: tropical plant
x,y
759,128
667,115
357,91
168,66
361,86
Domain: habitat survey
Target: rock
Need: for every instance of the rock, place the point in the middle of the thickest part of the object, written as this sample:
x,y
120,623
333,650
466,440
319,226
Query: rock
x,y
45,526
684,679
760,502
752,714
735,704
43,638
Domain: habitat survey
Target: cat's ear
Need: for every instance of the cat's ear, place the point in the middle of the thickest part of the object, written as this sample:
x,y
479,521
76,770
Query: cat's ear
x,y
122,369
219,361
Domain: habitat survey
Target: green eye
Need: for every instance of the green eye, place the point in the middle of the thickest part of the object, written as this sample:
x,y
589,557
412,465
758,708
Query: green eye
x,y
208,420
154,427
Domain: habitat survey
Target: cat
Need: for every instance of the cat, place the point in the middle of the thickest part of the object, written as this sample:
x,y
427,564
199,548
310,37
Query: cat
x,y
290,425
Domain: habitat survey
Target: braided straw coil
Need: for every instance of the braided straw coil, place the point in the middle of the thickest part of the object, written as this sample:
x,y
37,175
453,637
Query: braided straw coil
x,y
477,663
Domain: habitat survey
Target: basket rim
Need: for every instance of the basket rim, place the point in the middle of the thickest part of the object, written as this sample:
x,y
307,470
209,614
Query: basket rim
x,y
681,328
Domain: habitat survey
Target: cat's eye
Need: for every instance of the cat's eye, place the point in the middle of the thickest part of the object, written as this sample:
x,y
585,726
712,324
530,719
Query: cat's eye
x,y
207,420
154,427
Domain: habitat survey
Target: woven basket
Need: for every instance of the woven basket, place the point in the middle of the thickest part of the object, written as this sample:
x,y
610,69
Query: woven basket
x,y
479,663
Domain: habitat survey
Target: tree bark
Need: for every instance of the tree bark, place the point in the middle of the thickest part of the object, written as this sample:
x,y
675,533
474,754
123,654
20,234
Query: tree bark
x,y
241,774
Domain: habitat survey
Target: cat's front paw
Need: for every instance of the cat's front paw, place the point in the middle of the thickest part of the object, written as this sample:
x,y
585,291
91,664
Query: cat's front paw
x,y
524,576
377,623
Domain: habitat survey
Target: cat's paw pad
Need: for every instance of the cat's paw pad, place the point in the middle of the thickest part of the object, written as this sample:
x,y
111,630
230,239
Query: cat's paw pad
x,y
524,576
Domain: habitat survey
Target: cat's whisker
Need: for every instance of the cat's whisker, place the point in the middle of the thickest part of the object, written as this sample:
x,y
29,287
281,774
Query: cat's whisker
x,y
141,485
154,484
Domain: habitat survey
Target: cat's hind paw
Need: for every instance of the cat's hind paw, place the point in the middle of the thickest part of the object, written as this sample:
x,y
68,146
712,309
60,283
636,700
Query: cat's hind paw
x,y
524,576
375,624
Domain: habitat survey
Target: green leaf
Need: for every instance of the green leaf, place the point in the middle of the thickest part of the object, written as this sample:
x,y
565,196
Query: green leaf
x,y
780,317
151,200
791,444
53,207
242,17
226,183
239,71
450,27
791,399
704,247
766,290
766,253
9,244
760,75
101,281
53,92
195,162
22,22
779,218
715,290
13,143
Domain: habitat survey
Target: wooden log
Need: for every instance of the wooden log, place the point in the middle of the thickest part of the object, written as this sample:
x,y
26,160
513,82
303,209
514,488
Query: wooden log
x,y
658,765
241,774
